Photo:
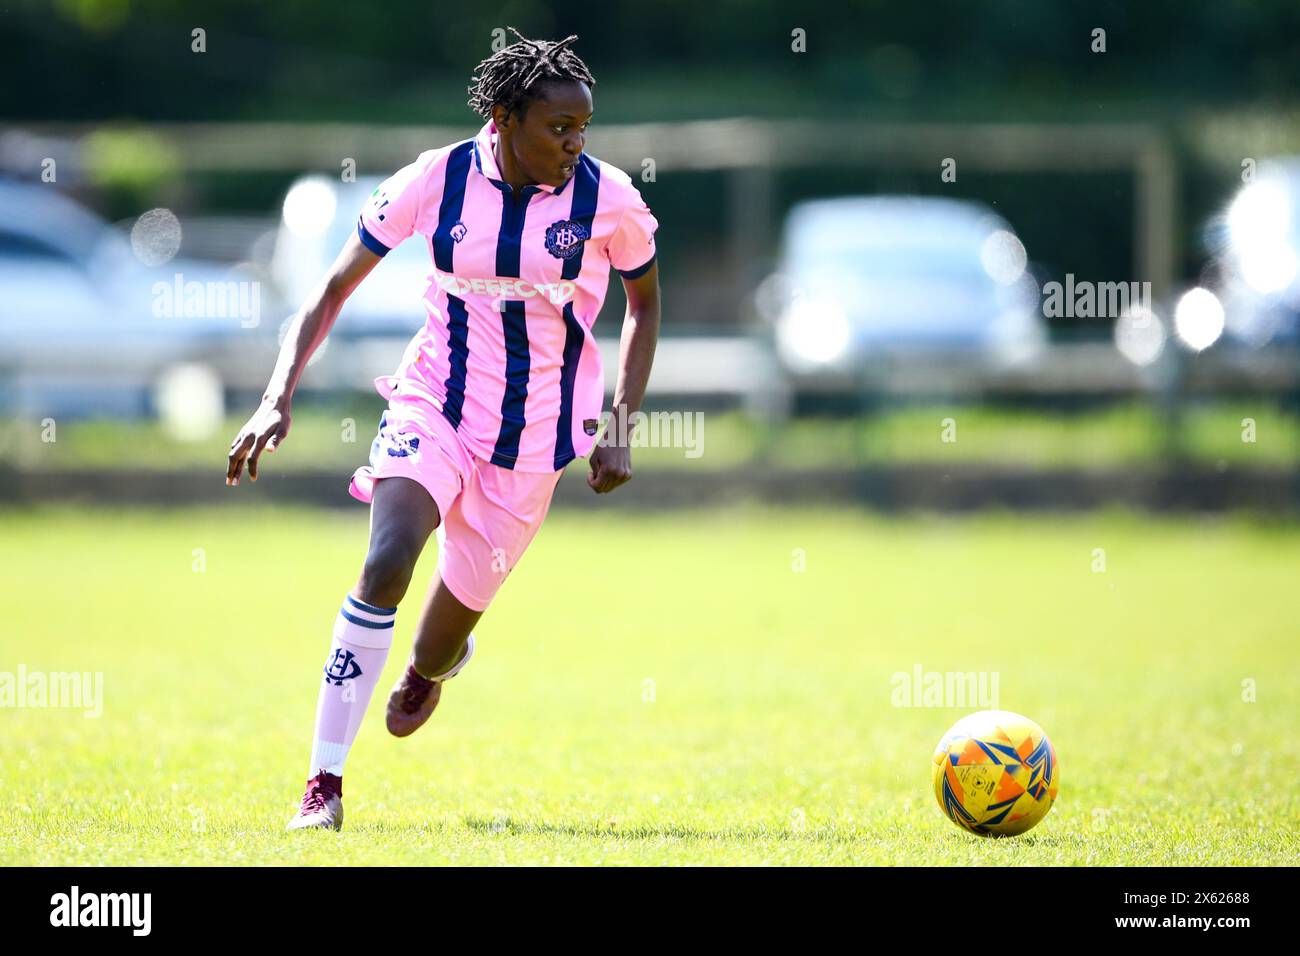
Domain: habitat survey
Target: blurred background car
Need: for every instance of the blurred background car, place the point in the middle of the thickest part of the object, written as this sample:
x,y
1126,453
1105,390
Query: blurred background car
x,y
866,280
90,326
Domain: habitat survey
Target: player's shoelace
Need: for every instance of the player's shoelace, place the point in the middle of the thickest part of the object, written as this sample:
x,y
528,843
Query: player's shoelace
x,y
416,691
318,795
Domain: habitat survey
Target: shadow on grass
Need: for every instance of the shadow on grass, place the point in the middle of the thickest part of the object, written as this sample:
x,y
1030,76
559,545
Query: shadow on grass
x,y
677,831
919,840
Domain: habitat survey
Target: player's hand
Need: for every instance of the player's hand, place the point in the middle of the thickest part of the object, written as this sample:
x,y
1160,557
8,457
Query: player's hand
x,y
264,431
611,466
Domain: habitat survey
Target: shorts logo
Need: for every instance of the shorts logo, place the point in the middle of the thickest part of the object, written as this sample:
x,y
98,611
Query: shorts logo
x,y
342,666
589,426
402,444
564,239
458,231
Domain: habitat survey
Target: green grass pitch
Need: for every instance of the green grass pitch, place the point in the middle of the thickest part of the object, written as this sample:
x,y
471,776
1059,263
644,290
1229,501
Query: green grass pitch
x,y
658,689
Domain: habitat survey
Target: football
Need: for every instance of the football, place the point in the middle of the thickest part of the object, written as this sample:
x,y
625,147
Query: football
x,y
995,773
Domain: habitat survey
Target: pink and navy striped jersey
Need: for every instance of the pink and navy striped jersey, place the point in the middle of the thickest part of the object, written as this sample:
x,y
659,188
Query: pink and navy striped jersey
x,y
507,352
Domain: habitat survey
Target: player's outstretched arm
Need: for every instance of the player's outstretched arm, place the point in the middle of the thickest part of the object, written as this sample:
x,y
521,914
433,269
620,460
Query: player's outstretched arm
x,y
270,423
611,459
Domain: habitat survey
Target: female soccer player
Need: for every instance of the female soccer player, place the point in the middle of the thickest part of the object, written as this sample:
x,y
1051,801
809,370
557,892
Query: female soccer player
x,y
494,396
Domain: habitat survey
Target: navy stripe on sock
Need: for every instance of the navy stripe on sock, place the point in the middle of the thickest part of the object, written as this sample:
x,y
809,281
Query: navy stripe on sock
x,y
370,607
373,625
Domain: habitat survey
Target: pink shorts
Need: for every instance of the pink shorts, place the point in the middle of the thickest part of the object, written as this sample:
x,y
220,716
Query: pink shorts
x,y
489,514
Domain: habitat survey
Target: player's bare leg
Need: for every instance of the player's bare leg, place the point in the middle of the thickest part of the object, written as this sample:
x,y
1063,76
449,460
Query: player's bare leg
x,y
443,645
402,516
442,631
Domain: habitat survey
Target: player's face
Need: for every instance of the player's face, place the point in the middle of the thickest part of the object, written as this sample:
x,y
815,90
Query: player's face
x,y
546,143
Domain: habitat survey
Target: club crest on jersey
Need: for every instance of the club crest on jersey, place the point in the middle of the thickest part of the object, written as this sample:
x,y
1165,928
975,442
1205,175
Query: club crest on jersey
x,y
342,666
458,231
565,238
402,444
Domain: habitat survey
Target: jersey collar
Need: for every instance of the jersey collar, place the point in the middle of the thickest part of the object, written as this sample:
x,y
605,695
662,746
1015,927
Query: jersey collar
x,y
485,161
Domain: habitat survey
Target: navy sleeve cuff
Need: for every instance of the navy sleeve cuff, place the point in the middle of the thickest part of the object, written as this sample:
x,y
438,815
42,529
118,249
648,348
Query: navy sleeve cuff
x,y
639,271
370,242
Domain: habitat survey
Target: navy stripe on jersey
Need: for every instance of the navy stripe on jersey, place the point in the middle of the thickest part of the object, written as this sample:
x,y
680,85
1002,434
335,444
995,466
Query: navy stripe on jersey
x,y
453,199
568,372
639,271
449,210
457,359
586,191
370,242
510,235
586,179
515,324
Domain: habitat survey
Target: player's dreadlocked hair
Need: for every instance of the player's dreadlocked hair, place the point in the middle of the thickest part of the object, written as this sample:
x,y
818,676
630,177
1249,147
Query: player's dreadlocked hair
x,y
509,76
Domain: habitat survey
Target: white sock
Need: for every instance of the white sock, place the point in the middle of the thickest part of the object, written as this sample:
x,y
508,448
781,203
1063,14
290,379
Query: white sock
x,y
363,635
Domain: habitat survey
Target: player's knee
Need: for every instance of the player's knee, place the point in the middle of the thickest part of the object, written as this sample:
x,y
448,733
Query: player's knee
x,y
389,565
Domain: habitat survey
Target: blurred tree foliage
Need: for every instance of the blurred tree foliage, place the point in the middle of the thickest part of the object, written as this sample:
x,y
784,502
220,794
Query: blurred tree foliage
x,y
407,60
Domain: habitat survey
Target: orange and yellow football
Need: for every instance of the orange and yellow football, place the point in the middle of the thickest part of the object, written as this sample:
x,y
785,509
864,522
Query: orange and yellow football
x,y
995,773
